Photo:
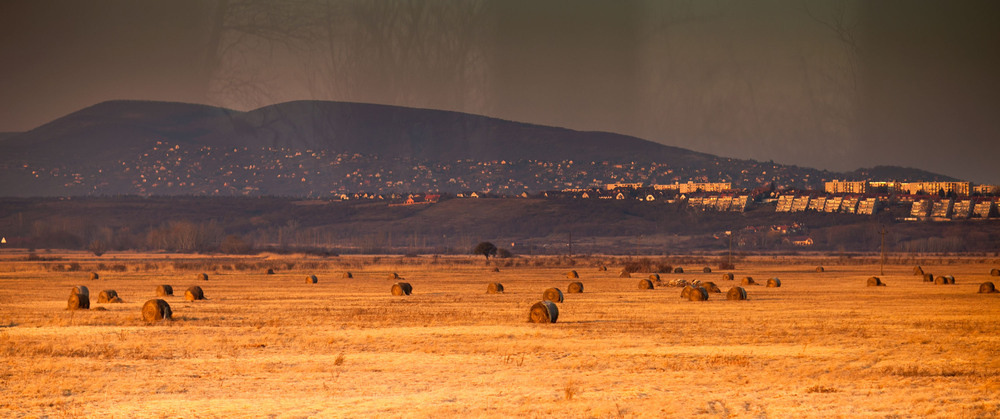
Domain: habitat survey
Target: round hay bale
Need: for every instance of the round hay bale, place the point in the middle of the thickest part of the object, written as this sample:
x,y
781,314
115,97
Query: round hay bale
x,y
156,310
940,280
572,275
686,292
654,277
312,279
875,282
94,275
393,276
706,270
678,270
496,269
602,268
194,293
164,290
987,288
728,276
543,312
106,296
645,284
820,269
928,277
736,293
575,287
402,288
950,279
773,283
624,274
270,271
553,294
994,272
203,276
78,302
917,270
747,280
494,288
711,287
347,275
698,294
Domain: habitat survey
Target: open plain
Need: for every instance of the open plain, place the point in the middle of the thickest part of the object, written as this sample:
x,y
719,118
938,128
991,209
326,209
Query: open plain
x,y
823,344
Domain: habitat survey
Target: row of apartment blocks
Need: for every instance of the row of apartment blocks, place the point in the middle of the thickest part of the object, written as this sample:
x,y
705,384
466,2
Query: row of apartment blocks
x,y
921,209
944,209
830,204
912,188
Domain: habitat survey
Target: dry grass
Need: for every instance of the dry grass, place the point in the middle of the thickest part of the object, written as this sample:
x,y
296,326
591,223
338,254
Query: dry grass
x,y
821,345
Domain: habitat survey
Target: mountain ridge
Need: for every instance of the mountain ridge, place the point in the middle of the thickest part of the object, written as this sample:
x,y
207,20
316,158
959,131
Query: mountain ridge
x,y
129,146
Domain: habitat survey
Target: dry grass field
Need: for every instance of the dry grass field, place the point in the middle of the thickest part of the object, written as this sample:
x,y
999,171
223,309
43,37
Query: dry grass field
x,y
821,345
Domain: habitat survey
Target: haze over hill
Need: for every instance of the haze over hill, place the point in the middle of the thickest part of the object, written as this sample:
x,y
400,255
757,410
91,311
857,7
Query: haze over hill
x,y
320,148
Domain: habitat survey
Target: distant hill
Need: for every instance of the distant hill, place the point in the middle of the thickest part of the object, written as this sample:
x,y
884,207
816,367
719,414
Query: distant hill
x,y
319,148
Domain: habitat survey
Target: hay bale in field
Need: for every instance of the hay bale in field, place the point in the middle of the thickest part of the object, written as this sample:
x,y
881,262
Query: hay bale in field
x,y
917,270
203,276
773,283
543,312
928,277
624,274
156,310
944,280
270,271
711,287
645,284
78,302
575,287
402,288
654,277
394,276
875,282
698,294
494,288
496,269
312,279
572,275
553,294
696,283
347,275
747,280
994,272
728,276
686,292
678,270
94,275
106,296
987,288
820,269
164,290
194,293
602,268
736,293
706,270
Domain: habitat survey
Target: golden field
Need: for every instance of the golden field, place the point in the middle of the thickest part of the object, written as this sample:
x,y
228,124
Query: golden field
x,y
821,345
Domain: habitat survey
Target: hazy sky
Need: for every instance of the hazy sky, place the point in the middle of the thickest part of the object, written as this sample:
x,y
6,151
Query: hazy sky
x,y
827,84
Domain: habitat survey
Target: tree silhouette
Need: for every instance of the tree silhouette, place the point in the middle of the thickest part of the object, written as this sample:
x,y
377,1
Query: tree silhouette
x,y
486,249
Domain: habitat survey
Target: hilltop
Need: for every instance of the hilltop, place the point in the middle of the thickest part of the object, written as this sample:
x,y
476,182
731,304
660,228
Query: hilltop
x,y
321,148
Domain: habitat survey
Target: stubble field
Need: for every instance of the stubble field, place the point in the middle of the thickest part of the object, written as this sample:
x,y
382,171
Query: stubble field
x,y
821,345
